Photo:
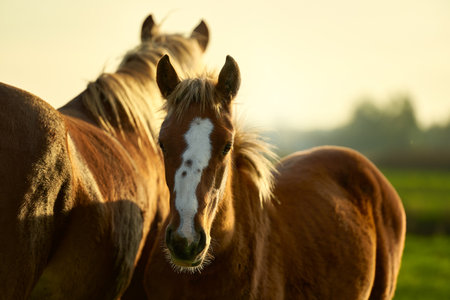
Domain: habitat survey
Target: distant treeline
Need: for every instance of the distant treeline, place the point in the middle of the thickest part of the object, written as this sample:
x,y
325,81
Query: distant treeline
x,y
389,135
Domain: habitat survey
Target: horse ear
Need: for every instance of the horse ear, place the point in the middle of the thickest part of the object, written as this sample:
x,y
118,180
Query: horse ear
x,y
201,34
166,76
149,29
229,80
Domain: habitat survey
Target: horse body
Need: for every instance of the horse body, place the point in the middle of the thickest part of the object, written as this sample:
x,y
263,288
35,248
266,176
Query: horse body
x,y
344,224
331,226
84,188
116,199
33,190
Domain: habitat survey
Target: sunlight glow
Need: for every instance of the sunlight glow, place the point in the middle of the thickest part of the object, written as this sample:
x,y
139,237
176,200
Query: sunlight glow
x,y
304,64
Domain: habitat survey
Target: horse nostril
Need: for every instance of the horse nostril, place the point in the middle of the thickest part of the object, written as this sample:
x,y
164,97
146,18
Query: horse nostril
x,y
183,248
168,235
202,242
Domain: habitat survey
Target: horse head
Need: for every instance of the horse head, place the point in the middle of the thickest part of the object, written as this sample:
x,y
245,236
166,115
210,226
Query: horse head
x,y
197,140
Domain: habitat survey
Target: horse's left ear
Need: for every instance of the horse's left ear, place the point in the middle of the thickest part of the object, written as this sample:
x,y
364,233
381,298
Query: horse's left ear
x,y
229,80
149,29
166,76
201,34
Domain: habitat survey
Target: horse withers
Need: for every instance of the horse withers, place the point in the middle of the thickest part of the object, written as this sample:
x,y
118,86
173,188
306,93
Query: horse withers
x,y
322,224
82,187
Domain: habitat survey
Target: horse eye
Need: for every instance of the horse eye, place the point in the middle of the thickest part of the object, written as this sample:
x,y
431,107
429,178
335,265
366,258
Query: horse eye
x,y
227,148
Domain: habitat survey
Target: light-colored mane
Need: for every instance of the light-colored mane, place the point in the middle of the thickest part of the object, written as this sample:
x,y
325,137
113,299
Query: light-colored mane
x,y
255,155
129,99
250,152
194,90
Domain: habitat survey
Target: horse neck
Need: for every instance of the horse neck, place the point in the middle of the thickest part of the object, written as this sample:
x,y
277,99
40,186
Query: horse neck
x,y
240,219
76,109
143,86
147,106
130,98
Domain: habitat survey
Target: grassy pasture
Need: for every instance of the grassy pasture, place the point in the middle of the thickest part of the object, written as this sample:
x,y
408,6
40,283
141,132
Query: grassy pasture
x,y
426,197
425,271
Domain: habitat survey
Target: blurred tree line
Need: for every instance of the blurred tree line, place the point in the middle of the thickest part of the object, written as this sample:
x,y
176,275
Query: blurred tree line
x,y
390,136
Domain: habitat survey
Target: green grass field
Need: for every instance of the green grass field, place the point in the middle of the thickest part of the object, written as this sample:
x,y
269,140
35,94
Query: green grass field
x,y
426,197
425,271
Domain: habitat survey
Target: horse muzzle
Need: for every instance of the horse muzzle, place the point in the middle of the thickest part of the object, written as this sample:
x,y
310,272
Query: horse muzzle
x,y
186,252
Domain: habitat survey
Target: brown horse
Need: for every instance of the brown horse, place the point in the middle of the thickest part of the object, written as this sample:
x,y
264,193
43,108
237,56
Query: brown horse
x,y
79,187
325,224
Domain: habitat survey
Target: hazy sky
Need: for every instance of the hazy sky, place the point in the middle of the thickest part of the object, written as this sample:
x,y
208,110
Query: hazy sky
x,y
303,63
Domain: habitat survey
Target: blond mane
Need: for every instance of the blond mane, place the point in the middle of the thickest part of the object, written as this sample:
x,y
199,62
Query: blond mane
x,y
251,153
198,90
129,99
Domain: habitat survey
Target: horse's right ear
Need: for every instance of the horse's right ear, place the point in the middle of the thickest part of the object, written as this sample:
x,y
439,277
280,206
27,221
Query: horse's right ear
x,y
229,80
166,76
149,29
201,34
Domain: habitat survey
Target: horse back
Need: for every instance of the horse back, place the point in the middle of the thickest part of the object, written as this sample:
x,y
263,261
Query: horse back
x,y
344,222
34,187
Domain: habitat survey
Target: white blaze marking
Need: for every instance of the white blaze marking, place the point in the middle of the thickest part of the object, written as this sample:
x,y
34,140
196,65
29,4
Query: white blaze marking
x,y
187,177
